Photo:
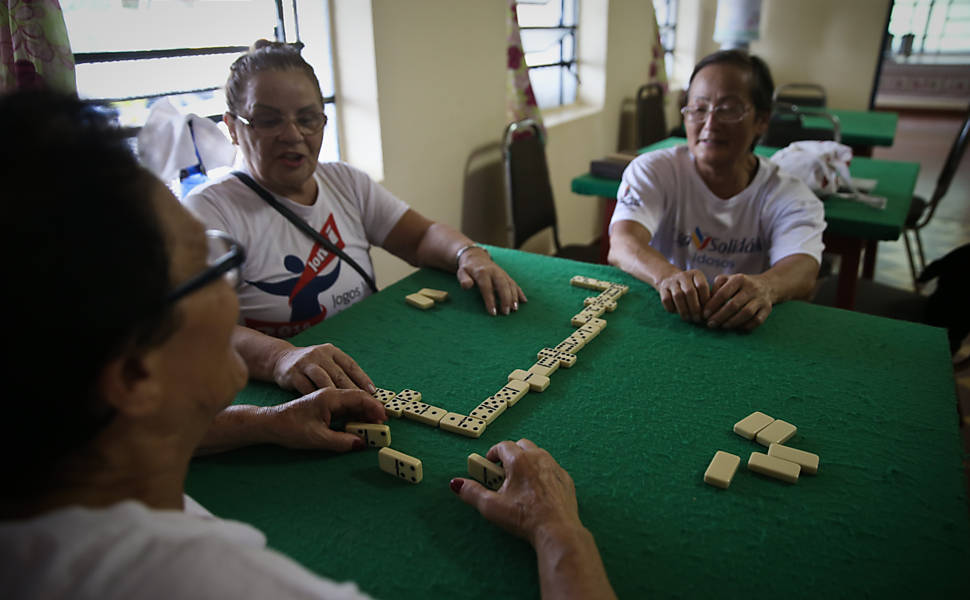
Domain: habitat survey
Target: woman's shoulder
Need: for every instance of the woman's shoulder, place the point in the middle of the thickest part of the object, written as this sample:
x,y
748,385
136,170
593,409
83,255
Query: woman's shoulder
x,y
103,552
663,160
220,188
341,171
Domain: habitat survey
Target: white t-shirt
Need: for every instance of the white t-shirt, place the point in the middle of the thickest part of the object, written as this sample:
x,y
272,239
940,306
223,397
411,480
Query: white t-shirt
x,y
289,282
774,217
130,551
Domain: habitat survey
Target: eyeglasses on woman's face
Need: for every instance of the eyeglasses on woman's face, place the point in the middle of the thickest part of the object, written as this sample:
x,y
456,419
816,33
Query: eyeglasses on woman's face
x,y
728,112
225,255
269,125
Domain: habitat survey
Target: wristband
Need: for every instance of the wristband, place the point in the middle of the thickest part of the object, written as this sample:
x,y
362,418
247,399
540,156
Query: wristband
x,y
466,249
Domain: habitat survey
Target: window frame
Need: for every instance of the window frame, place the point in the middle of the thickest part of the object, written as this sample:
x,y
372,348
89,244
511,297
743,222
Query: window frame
x,y
283,14
565,66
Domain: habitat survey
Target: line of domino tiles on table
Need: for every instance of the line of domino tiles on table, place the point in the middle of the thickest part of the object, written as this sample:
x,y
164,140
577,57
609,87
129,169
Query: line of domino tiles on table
x,y
408,403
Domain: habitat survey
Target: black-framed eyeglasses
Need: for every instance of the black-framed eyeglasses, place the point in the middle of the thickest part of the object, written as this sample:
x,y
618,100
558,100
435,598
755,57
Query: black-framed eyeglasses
x,y
725,113
307,123
225,255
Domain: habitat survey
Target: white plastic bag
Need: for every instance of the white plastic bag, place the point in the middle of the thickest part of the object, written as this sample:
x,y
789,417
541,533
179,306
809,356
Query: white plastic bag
x,y
165,144
824,167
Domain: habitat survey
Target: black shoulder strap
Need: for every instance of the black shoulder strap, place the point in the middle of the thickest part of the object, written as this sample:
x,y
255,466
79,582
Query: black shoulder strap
x,y
305,227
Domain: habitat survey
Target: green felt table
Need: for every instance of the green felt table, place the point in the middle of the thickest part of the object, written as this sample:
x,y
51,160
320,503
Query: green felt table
x,y
636,422
896,182
860,127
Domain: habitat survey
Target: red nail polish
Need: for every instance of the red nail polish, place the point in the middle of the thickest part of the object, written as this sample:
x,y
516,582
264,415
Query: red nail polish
x,y
358,444
456,484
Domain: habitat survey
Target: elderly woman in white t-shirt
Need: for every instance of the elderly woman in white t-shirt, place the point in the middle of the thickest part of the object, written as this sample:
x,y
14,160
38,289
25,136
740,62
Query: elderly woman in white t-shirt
x,y
291,282
93,471
716,230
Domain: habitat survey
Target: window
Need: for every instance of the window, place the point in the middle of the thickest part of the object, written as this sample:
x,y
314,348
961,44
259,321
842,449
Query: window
x,y
182,51
666,11
931,27
548,30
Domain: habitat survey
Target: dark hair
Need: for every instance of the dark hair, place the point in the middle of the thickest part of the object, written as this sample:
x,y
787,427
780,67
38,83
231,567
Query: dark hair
x,y
762,85
86,276
264,56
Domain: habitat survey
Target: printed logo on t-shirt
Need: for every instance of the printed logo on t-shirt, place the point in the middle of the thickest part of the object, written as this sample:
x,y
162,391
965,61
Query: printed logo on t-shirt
x,y
303,290
625,195
716,245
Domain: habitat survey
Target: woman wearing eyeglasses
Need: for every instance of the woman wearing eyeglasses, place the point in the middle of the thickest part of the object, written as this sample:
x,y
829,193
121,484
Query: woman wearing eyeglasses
x,y
719,232
98,441
290,281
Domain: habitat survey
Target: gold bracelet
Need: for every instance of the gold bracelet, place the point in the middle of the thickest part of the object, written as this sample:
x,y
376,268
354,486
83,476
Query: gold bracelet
x,y
465,249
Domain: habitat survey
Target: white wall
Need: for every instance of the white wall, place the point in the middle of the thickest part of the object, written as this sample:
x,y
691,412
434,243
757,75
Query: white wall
x,y
439,67
424,83
835,43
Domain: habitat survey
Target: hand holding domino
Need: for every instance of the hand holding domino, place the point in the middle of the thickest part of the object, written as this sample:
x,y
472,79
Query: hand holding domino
x,y
532,478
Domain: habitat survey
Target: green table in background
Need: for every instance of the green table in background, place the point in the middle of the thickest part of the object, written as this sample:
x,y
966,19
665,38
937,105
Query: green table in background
x,y
850,226
636,422
861,129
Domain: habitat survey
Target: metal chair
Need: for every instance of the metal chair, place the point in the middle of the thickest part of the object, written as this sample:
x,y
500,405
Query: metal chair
x,y
530,205
651,121
787,125
921,210
801,94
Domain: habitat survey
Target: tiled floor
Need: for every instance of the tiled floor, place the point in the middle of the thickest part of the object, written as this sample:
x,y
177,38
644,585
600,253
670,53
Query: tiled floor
x,y
927,140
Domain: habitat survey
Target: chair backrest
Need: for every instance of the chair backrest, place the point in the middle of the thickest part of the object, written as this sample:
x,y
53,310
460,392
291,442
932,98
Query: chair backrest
x,y
651,121
530,205
950,166
801,94
787,125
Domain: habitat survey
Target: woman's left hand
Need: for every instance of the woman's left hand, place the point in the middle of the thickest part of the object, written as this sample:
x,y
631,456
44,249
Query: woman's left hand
x,y
738,301
499,291
308,368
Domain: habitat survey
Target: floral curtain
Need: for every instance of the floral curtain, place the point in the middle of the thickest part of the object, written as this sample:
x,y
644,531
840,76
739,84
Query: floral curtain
x,y
34,48
520,101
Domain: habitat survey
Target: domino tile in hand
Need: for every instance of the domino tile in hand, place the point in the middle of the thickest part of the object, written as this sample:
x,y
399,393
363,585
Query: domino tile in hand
x,y
400,465
419,301
424,413
537,383
778,432
436,295
565,359
749,426
488,411
458,423
374,434
484,471
774,467
721,470
806,460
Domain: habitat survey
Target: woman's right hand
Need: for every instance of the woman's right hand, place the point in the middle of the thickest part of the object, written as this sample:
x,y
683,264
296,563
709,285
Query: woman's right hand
x,y
537,493
685,293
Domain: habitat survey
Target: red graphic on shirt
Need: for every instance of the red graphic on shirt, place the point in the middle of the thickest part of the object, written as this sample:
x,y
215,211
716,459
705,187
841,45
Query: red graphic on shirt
x,y
284,330
319,257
